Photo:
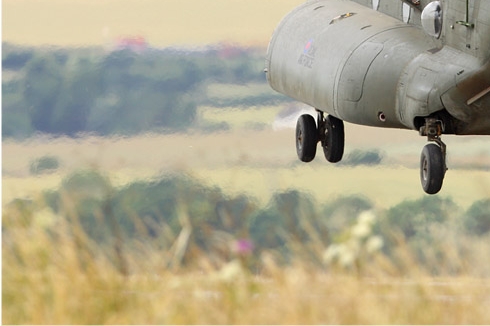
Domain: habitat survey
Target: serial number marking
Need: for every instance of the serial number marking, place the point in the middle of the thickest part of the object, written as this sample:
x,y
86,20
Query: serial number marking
x,y
307,57
306,61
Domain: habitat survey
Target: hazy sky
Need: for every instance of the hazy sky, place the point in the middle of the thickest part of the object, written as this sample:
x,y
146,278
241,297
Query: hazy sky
x,y
161,22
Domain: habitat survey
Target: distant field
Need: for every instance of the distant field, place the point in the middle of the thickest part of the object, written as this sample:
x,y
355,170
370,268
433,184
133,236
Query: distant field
x,y
162,23
240,118
238,91
254,162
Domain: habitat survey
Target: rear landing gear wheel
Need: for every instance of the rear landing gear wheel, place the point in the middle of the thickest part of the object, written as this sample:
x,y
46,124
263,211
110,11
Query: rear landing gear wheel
x,y
306,138
432,168
334,139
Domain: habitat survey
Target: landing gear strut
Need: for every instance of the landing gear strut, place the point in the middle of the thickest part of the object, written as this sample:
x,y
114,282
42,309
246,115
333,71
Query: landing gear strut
x,y
433,159
330,133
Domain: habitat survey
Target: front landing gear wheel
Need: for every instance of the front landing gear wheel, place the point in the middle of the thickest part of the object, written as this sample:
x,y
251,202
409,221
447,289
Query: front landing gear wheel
x,y
432,168
334,139
306,138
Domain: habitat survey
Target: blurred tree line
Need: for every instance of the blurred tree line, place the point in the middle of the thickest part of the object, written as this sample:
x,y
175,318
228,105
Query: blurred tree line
x,y
92,90
188,220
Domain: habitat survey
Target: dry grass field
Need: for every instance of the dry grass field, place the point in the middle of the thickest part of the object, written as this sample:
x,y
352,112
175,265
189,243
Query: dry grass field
x,y
61,278
62,292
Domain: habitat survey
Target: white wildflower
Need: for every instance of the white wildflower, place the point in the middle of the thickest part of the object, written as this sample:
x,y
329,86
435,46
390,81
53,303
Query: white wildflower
x,y
374,244
367,217
347,258
341,253
231,271
332,253
359,243
361,230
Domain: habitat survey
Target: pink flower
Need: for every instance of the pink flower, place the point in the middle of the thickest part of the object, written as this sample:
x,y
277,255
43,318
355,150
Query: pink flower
x,y
243,247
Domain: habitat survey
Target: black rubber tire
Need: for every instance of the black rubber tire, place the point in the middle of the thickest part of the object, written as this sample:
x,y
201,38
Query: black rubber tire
x,y
333,144
306,138
432,169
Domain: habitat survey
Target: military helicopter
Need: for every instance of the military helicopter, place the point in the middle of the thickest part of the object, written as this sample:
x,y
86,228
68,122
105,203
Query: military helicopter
x,y
409,64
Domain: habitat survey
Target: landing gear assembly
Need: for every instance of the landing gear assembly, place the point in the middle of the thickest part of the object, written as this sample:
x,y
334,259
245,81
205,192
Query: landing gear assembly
x,y
433,159
330,133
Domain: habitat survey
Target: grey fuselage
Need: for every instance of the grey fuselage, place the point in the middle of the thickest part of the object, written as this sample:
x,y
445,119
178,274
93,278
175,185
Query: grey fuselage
x,y
371,67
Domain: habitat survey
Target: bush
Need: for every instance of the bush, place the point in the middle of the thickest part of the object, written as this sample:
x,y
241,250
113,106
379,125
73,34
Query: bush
x,y
414,218
477,218
363,157
289,219
341,213
44,164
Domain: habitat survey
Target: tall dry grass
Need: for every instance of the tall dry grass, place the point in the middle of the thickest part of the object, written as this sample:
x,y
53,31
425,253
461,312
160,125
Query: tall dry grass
x,y
58,275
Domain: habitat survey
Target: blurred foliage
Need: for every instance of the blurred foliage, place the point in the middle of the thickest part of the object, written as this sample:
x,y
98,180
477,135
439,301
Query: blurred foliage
x,y
149,211
340,213
187,220
289,219
363,157
44,164
413,217
477,218
94,90
428,226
